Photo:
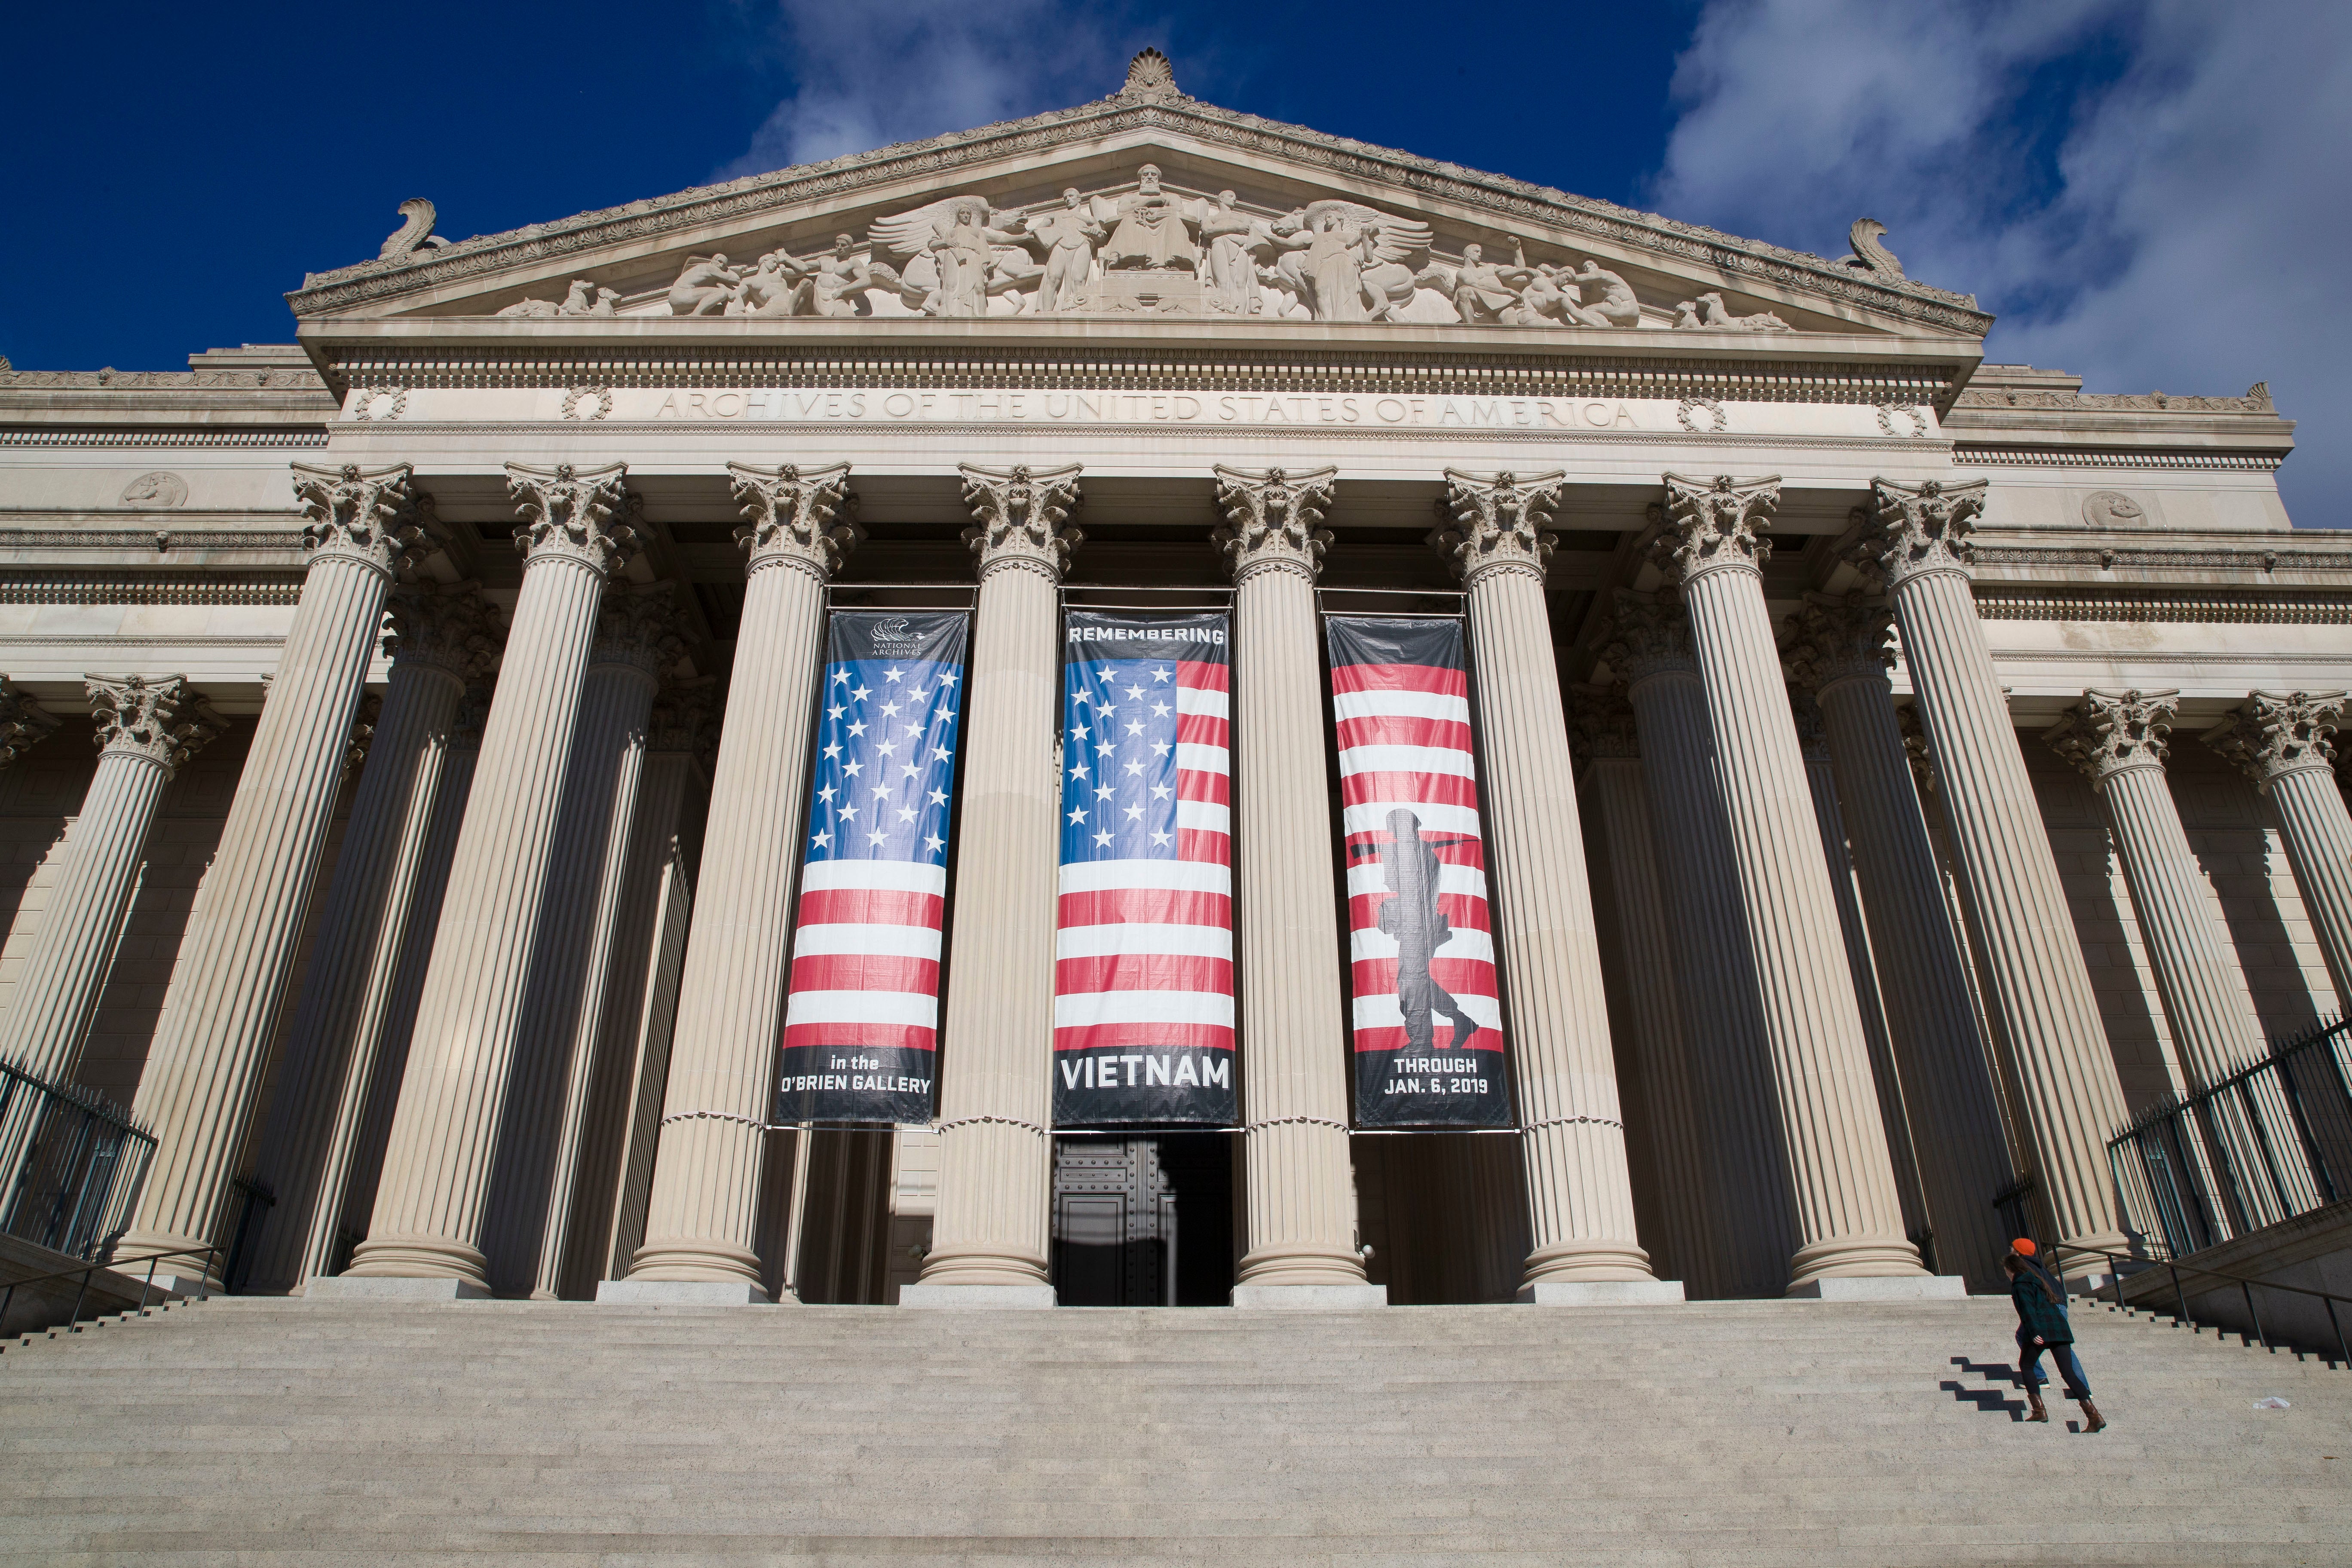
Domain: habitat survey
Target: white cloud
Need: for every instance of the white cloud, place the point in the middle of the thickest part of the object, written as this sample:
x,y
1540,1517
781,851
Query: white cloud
x,y
2150,192
872,75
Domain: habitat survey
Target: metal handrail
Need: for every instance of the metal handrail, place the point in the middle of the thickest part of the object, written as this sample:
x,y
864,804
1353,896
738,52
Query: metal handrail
x,y
212,1255
2245,1283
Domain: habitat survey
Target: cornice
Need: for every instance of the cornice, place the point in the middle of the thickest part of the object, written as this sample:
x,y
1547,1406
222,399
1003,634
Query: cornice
x,y
141,589
1496,196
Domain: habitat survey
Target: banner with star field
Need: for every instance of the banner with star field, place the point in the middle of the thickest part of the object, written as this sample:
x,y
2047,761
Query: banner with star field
x,y
1420,951
862,1016
1143,952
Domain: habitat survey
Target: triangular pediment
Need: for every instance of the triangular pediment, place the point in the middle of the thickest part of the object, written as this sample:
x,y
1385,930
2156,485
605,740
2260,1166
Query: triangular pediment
x,y
1247,218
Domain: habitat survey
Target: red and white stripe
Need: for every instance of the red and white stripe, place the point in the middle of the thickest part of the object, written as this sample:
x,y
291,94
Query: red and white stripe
x,y
1143,952
865,955
1404,741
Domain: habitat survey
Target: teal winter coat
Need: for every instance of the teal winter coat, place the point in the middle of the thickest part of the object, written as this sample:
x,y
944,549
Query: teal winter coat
x,y
2038,1316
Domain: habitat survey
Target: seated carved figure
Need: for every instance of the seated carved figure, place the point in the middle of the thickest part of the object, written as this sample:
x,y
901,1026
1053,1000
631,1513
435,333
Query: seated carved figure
x,y
705,287
1616,307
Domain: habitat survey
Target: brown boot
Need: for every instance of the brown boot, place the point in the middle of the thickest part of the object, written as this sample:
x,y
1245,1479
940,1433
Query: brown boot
x,y
2098,1422
2033,1402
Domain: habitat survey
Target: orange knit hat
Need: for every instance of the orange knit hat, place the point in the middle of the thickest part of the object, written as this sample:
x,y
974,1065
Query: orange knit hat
x,y
2023,1246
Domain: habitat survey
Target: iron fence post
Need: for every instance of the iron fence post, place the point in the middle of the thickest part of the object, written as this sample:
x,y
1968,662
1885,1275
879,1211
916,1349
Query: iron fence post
x,y
73,1319
2179,1294
2257,1317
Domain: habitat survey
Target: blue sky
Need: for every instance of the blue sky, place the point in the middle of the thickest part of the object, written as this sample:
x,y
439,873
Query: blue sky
x,y
2150,192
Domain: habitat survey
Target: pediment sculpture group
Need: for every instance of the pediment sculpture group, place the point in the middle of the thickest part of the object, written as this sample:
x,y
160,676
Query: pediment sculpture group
x,y
1154,251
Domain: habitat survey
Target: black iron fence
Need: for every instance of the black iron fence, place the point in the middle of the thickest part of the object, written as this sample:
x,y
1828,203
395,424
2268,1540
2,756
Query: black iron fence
x,y
2271,1141
71,1165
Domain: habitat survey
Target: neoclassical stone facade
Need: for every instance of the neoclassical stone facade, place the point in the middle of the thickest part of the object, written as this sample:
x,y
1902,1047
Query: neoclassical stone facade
x,y
1831,695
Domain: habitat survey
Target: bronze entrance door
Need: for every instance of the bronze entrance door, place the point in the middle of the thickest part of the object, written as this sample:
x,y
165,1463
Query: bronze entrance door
x,y
1144,1222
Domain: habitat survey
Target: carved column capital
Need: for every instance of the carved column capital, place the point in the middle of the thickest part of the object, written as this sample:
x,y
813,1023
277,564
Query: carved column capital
x,y
570,513
1713,525
2280,732
23,722
789,517
448,627
1601,724
355,751
367,515
1022,514
1834,639
1495,522
637,626
1812,734
2110,732
1272,519
1921,755
160,719
1647,634
1910,531
685,720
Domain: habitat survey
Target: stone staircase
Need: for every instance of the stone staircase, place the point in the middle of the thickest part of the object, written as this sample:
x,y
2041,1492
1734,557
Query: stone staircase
x,y
1751,1433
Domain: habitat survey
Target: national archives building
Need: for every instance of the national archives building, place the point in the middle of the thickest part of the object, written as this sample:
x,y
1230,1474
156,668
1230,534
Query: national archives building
x,y
1144,706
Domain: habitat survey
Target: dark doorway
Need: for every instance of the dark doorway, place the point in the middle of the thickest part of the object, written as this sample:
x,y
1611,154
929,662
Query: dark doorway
x,y
1144,1222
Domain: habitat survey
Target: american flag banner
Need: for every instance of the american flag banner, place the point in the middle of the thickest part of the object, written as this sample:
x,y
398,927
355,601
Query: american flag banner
x,y
1420,942
862,1017
1143,970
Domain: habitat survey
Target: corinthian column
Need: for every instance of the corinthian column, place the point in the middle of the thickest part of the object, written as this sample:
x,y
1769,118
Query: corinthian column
x,y
1607,738
441,638
1840,653
1752,1226
2280,740
146,728
703,1216
204,1072
636,645
2049,1020
430,1201
1848,1212
1300,1243
1571,1132
2117,741
988,1240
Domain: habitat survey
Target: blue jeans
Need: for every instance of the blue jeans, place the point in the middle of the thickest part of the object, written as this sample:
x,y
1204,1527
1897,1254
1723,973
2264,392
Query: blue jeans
x,y
2070,1366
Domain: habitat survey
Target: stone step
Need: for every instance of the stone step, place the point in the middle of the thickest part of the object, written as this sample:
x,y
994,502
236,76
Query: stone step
x,y
1744,1434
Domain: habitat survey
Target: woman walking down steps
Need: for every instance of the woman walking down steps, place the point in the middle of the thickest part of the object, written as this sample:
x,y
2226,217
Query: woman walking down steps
x,y
2041,1325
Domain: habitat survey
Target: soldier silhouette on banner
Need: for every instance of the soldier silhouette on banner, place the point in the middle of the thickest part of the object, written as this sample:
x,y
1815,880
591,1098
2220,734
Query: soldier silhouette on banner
x,y
1410,914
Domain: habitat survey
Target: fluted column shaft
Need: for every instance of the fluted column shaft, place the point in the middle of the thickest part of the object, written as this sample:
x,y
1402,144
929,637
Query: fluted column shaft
x,y
1849,1218
202,1078
1300,1207
48,1021
432,1198
1754,1230
634,1018
1837,853
337,1021
702,1216
1956,1126
2212,1024
2070,1098
2317,832
995,1073
613,710
1655,1011
1572,1138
